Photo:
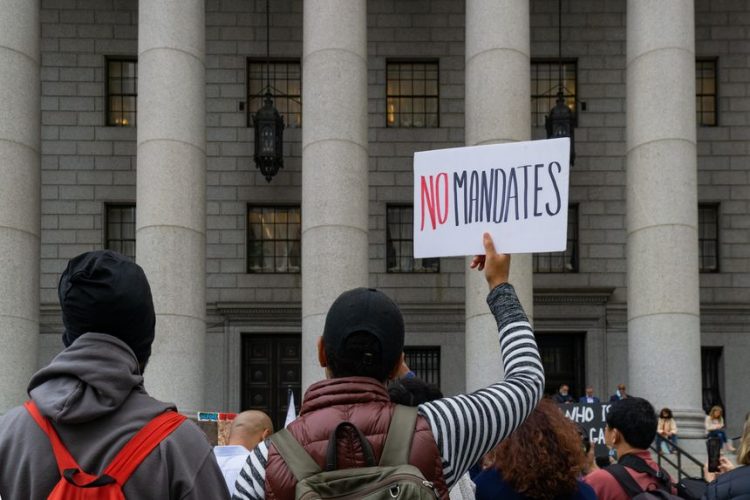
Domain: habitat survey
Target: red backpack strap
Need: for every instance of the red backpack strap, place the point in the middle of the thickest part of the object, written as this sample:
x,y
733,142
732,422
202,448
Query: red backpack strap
x,y
143,443
63,457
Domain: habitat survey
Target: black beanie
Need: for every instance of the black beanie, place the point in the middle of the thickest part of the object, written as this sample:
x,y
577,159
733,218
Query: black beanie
x,y
106,292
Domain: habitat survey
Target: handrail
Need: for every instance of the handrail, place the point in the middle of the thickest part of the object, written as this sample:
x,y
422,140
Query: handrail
x,y
678,466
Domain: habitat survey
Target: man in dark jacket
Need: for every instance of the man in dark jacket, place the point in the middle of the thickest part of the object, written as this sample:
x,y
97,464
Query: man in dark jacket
x,y
563,395
361,348
93,394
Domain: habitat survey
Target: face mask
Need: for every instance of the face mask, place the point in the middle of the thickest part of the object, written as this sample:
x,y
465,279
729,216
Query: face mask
x,y
613,454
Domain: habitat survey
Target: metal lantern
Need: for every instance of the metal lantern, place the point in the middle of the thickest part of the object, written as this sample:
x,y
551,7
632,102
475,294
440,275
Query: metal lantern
x,y
269,139
561,120
561,123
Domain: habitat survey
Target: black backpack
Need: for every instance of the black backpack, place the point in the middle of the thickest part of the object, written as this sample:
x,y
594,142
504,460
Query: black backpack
x,y
392,478
632,488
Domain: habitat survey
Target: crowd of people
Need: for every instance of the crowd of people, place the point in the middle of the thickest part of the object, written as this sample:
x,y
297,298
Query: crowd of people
x,y
370,426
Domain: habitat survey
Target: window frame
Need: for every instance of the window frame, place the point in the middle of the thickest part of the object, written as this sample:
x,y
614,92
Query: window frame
x,y
396,60
108,94
388,239
698,95
279,60
716,207
106,220
575,250
553,96
427,351
248,239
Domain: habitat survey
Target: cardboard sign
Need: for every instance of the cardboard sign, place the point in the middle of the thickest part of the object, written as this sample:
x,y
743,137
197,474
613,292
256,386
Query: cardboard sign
x,y
518,192
592,418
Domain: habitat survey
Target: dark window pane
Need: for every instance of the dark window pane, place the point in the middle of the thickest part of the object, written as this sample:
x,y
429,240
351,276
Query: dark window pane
x,y
273,239
708,237
122,92
545,83
705,92
562,262
120,226
399,243
424,362
411,94
285,86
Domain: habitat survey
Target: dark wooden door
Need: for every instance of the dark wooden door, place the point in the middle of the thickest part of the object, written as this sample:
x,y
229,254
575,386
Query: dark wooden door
x,y
271,365
563,357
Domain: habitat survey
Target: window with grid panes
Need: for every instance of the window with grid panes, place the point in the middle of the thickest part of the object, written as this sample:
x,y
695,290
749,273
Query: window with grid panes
x,y
399,243
120,228
286,88
708,237
412,97
424,361
706,104
545,82
562,262
122,92
274,239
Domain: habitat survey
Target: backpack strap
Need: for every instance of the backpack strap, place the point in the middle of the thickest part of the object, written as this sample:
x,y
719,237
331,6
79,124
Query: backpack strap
x,y
400,433
143,443
298,461
126,461
627,482
66,464
639,465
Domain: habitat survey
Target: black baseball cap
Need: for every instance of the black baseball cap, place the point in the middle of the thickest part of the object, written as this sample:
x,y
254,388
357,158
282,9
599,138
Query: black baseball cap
x,y
365,310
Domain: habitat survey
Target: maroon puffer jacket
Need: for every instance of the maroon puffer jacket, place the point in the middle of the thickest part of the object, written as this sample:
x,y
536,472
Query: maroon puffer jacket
x,y
364,402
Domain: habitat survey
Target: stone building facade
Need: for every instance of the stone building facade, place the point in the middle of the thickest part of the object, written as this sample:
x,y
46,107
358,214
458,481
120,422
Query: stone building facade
x,y
194,69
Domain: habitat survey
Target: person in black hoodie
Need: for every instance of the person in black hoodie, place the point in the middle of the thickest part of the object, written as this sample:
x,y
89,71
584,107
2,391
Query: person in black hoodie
x,y
93,394
731,482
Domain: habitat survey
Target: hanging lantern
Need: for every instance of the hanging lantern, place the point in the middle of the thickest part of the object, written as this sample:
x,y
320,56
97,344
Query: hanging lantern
x,y
560,122
269,138
268,123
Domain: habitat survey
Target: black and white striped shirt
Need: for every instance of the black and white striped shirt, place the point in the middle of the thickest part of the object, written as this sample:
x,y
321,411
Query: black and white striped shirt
x,y
466,426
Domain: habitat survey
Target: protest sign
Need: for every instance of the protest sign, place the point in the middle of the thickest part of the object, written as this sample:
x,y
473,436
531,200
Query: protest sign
x,y
592,418
517,192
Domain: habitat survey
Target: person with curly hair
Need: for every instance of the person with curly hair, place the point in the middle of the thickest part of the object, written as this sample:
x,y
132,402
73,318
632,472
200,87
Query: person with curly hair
x,y
666,432
543,460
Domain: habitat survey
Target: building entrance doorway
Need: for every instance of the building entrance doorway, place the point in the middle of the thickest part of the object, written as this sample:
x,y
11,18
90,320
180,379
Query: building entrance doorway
x,y
564,360
271,366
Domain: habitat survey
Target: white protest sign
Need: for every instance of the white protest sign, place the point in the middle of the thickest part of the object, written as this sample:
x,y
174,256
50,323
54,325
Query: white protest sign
x,y
517,192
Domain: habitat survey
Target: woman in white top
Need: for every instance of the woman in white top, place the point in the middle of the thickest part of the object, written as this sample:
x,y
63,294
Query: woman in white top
x,y
715,427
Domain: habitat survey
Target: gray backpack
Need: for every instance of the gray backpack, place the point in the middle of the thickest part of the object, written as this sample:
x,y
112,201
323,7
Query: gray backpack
x,y
392,478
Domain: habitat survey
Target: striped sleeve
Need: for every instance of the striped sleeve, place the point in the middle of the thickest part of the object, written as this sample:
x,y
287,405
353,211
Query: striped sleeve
x,y
467,426
251,482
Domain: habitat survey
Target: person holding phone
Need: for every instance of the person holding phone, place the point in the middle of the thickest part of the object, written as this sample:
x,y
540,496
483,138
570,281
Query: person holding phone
x,y
730,481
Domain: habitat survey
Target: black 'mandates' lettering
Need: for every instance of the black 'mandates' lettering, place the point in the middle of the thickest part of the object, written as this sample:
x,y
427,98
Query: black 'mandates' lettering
x,y
537,188
525,190
512,193
554,185
473,196
497,217
459,181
